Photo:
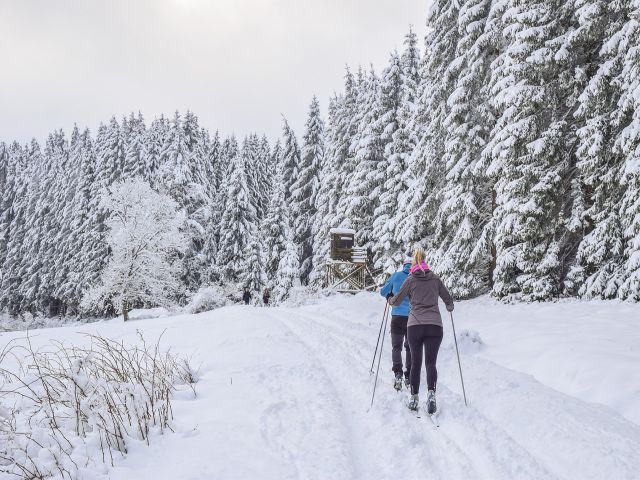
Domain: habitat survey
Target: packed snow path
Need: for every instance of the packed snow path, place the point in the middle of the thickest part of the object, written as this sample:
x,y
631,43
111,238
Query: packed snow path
x,y
284,394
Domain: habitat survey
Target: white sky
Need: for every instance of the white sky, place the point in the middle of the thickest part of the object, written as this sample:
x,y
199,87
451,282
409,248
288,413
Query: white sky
x,y
238,64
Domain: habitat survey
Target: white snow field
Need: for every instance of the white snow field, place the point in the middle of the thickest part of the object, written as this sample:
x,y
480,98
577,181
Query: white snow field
x,y
284,393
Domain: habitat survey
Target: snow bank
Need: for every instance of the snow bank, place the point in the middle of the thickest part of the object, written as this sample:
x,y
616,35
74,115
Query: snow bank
x,y
33,322
146,313
469,341
67,411
299,296
207,298
586,349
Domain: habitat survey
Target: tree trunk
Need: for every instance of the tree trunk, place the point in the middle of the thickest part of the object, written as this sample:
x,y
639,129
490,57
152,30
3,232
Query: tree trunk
x,y
125,310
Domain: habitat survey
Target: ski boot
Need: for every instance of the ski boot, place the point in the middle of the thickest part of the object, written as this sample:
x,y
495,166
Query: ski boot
x,y
413,403
397,383
431,402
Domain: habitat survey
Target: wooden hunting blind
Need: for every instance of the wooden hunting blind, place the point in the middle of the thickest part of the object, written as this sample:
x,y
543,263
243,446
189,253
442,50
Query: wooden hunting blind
x,y
347,267
342,240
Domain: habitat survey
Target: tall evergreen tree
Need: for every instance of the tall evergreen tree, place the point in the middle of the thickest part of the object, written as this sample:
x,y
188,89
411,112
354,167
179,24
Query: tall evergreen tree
x,y
236,225
305,188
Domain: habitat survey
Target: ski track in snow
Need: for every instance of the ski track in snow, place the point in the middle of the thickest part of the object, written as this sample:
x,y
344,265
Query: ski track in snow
x,y
478,450
285,394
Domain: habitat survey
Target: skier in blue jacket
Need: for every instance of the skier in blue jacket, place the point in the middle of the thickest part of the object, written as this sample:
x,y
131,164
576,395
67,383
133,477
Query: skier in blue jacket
x,y
399,318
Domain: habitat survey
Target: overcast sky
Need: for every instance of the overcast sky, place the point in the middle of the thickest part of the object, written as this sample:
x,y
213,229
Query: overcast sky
x,y
238,64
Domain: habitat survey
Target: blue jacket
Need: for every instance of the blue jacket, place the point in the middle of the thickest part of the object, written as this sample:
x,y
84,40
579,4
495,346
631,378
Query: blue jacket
x,y
393,285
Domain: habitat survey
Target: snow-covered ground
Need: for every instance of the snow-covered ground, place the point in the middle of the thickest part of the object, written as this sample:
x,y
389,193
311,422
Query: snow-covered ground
x,y
554,393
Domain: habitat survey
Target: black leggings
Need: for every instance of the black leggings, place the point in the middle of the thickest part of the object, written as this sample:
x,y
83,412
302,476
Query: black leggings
x,y
428,337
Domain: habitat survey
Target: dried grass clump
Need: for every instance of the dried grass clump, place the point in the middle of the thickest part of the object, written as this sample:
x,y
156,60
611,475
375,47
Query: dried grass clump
x,y
65,408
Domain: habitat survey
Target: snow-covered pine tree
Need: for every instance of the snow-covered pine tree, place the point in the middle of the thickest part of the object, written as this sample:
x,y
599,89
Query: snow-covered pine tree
x,y
530,154
6,198
51,221
462,255
14,226
135,158
357,203
255,276
596,216
274,227
340,131
34,176
182,176
628,143
236,225
417,206
250,157
397,99
88,260
288,267
145,240
290,157
305,188
154,140
66,238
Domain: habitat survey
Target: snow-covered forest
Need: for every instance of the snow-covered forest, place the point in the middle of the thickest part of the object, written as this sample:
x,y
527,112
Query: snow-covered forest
x,y
508,146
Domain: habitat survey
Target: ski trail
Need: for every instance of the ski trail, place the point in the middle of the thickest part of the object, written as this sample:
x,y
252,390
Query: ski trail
x,y
303,396
564,436
436,452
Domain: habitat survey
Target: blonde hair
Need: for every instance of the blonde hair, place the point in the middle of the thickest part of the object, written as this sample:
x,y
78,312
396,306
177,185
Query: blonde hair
x,y
418,257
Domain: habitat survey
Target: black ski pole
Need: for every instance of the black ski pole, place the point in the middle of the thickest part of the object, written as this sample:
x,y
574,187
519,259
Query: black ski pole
x,y
386,306
458,354
384,334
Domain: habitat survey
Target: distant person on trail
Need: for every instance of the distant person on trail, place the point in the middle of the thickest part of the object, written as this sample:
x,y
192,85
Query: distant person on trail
x,y
399,318
246,296
266,296
424,328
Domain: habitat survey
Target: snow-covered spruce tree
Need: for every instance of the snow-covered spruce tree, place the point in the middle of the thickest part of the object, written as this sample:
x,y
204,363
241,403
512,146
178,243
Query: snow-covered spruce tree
x,y
145,239
65,238
236,225
305,188
227,156
88,259
628,143
529,153
597,36
324,202
255,276
153,144
341,133
6,199
274,227
462,256
52,219
39,234
290,157
417,206
250,153
182,176
288,267
14,226
110,150
397,97
358,202
135,156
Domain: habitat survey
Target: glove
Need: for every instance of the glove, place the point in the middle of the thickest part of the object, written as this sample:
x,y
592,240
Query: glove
x,y
450,308
389,296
